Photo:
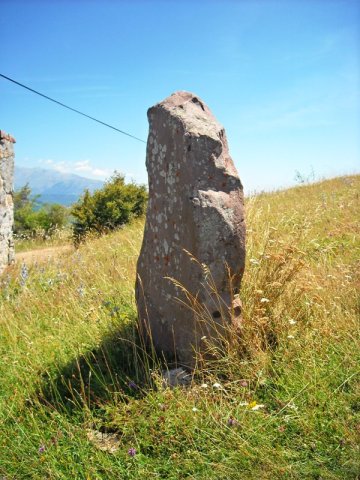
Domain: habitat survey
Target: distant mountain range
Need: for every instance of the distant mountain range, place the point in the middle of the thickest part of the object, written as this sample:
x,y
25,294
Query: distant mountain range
x,y
53,186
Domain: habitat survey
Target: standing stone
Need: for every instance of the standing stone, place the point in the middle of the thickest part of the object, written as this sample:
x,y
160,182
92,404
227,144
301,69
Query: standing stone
x,y
7,252
195,207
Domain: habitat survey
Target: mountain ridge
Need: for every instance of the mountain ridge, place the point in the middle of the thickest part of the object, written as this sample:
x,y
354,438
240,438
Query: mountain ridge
x,y
54,186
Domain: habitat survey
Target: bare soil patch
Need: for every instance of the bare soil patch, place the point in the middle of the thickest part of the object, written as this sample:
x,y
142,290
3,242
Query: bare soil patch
x,y
43,254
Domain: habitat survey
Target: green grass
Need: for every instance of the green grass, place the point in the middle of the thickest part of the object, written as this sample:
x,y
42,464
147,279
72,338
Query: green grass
x,y
69,348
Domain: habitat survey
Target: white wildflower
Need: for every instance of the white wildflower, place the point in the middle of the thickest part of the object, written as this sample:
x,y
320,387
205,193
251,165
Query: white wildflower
x,y
290,336
204,385
264,300
217,385
292,321
195,409
292,406
257,406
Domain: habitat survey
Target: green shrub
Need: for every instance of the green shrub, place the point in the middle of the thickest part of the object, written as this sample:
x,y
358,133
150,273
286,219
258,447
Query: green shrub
x,y
31,217
108,208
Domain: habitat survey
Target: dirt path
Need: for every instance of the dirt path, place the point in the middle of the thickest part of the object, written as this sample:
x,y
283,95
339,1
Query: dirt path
x,y
42,254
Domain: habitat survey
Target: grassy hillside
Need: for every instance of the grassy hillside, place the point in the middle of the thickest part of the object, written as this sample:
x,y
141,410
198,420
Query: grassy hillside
x,y
77,398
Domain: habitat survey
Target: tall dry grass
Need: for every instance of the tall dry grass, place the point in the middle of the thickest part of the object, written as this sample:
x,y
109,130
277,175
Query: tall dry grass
x,y
280,400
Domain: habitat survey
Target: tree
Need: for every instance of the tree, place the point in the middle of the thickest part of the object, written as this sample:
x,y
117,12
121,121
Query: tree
x,y
108,208
30,216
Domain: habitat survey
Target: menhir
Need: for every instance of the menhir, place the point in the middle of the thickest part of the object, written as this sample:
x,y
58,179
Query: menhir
x,y
194,232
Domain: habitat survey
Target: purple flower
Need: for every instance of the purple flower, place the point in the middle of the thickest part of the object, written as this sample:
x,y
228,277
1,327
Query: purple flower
x,y
81,290
23,274
132,452
42,449
114,311
132,385
232,422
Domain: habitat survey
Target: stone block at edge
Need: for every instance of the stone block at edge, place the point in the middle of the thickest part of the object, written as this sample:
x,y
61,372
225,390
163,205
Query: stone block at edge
x,y
7,251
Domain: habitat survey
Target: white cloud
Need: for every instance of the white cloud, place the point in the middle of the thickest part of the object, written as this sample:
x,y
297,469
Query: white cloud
x,y
81,167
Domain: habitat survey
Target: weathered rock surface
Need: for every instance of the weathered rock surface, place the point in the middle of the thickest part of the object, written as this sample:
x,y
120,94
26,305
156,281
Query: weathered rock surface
x,y
6,200
195,206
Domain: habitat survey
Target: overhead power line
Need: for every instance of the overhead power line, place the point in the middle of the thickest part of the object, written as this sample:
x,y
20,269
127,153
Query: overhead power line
x,y
70,108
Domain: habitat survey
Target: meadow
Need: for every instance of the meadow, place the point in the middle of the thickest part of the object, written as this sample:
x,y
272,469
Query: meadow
x,y
81,399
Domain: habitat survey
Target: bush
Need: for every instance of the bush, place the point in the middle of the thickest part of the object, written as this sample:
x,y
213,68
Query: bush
x,y
30,216
108,208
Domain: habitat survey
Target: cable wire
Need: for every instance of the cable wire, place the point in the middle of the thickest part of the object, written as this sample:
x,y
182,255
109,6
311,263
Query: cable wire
x,y
70,108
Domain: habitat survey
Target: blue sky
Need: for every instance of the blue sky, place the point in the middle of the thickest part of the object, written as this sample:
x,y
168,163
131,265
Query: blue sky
x,y
282,77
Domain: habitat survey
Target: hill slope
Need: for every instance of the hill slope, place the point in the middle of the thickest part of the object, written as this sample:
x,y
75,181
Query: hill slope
x,y
53,186
77,398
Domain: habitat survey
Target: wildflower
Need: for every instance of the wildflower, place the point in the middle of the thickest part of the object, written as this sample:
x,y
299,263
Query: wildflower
x,y
81,290
204,385
42,449
23,274
114,311
264,300
290,337
132,385
217,385
132,452
232,422
292,321
243,404
255,406
61,276
194,409
244,383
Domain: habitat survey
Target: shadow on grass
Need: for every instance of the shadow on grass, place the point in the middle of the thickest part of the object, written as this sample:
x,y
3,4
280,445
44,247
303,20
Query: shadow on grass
x,y
119,368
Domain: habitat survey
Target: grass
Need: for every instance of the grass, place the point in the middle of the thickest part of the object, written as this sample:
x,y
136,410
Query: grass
x,y
280,402
40,240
